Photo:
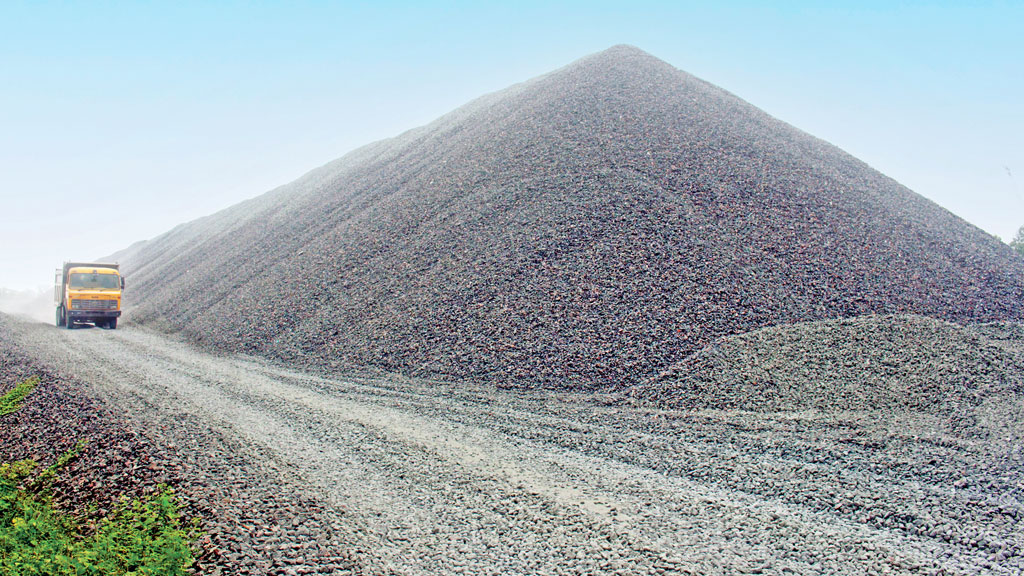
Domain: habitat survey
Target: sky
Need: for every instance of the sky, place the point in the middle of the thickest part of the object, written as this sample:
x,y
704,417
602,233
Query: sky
x,y
121,120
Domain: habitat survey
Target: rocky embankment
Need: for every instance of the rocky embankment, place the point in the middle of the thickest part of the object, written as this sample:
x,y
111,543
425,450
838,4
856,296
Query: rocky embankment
x,y
128,452
58,414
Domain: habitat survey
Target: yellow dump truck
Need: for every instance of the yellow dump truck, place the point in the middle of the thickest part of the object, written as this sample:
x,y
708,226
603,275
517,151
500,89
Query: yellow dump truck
x,y
88,292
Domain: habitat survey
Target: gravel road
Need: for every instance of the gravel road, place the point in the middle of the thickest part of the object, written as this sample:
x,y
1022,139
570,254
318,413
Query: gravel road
x,y
306,474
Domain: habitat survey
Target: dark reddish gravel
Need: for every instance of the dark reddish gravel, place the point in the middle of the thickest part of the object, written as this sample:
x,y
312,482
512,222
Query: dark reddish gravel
x,y
59,413
254,521
584,229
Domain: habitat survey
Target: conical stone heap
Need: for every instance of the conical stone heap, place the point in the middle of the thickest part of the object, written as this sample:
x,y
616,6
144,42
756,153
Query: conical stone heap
x,y
584,229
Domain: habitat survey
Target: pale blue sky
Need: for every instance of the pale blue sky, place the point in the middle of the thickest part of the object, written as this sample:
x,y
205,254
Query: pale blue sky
x,y
120,120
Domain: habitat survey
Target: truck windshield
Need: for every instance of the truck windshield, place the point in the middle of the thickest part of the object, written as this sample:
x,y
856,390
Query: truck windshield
x,y
108,281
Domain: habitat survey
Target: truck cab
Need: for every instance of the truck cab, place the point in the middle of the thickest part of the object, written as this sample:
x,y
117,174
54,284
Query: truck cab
x,y
88,293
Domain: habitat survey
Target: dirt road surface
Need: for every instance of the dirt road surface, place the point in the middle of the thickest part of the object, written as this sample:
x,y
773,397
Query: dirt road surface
x,y
333,475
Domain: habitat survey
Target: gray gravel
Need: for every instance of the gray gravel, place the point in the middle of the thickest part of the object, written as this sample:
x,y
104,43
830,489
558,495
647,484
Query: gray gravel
x,y
585,229
422,477
966,375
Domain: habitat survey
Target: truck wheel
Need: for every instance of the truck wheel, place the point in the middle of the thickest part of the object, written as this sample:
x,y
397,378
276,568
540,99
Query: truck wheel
x,y
60,316
112,323
69,322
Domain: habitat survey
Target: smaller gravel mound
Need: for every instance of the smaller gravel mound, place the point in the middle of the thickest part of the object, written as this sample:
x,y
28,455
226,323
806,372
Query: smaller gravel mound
x,y
973,375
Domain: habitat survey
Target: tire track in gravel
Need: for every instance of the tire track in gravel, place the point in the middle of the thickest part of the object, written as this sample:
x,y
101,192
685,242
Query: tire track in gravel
x,y
435,479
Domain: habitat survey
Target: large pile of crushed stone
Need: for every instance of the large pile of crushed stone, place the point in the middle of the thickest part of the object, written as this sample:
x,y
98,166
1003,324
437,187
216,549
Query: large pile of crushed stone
x,y
971,377
590,227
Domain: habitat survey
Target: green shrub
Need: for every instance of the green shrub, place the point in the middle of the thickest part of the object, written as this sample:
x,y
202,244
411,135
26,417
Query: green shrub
x,y
11,401
140,537
34,539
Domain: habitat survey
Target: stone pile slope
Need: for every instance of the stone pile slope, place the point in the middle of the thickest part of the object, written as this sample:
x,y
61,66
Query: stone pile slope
x,y
971,378
592,226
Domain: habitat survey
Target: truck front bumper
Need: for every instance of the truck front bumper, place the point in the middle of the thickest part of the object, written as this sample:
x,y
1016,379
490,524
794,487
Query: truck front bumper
x,y
92,315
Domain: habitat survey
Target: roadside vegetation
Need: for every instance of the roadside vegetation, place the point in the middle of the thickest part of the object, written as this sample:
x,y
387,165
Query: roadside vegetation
x,y
11,401
139,537
1018,241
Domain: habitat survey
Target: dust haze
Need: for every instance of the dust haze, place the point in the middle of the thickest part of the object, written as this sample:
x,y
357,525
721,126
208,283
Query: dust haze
x,y
36,305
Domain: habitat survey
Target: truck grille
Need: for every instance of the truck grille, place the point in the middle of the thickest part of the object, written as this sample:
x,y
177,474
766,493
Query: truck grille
x,y
94,304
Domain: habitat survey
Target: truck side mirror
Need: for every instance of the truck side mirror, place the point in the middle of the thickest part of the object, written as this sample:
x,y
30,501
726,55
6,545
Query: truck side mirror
x,y
122,282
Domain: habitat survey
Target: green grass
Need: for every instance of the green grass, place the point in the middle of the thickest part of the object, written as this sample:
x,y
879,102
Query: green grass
x,y
11,401
140,537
